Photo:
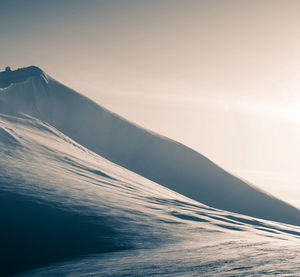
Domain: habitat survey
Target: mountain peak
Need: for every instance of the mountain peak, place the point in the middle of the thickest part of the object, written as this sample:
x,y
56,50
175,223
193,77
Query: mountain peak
x,y
9,76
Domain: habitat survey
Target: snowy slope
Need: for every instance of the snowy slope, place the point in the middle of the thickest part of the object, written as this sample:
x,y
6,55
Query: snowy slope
x,y
157,158
60,202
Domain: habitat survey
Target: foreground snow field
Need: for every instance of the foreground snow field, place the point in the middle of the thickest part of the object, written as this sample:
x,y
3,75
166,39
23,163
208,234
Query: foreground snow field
x,y
67,211
60,201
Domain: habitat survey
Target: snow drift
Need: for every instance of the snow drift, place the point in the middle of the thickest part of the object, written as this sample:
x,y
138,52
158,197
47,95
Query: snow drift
x,y
155,157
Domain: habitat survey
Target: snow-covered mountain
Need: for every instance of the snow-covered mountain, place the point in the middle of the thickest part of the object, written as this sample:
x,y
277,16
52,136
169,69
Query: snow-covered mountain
x,y
62,200
155,157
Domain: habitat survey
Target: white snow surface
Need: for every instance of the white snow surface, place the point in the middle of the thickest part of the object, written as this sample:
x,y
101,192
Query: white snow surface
x,y
64,203
67,211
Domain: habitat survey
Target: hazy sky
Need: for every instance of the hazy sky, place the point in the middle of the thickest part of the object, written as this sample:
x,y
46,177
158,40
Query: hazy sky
x,y
220,76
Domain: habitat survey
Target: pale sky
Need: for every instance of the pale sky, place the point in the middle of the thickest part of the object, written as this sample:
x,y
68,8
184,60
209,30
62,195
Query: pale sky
x,y
222,77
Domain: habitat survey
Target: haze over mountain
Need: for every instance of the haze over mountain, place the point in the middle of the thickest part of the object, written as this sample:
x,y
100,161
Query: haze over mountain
x,y
32,92
149,138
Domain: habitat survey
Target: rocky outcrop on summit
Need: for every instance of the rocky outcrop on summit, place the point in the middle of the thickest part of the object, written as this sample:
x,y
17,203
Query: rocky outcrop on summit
x,y
8,76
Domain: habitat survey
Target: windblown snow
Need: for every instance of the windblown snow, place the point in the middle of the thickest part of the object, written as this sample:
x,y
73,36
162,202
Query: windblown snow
x,y
67,210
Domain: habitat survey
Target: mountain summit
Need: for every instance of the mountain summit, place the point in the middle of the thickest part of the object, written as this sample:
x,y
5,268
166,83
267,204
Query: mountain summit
x,y
31,92
9,76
